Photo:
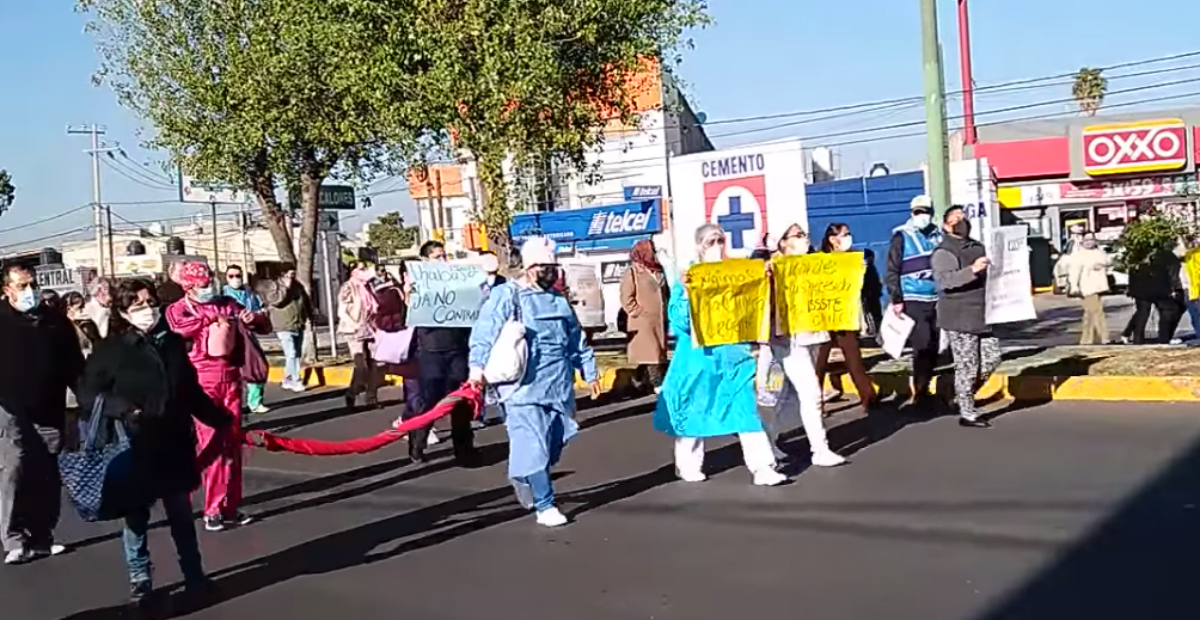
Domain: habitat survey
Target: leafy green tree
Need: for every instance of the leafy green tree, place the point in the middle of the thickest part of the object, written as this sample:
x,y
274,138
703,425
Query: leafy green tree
x,y
389,236
8,191
536,80
1089,89
262,94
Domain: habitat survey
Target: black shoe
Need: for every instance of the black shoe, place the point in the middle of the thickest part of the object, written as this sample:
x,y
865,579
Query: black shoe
x,y
965,423
468,458
416,454
350,402
196,595
143,601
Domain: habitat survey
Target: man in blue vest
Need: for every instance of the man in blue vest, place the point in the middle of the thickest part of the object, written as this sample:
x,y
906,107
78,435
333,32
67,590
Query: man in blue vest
x,y
912,290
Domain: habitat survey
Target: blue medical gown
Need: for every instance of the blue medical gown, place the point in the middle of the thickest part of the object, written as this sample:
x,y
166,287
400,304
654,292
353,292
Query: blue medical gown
x,y
708,391
540,408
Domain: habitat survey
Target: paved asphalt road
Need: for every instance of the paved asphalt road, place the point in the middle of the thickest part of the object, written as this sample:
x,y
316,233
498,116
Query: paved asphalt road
x,y
1061,511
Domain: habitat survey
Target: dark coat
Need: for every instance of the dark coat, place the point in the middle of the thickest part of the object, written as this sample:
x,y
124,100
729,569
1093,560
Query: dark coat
x,y
1157,279
42,359
962,299
150,374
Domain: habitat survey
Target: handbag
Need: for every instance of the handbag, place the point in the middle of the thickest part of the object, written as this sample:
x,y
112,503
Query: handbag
x,y
221,338
393,347
99,478
510,353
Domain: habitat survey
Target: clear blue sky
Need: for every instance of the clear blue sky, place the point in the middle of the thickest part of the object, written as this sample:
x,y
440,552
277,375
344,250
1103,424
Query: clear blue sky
x,y
761,57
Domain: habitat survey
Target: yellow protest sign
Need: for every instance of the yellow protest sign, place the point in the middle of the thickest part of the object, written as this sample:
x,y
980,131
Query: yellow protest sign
x,y
1192,264
728,300
819,292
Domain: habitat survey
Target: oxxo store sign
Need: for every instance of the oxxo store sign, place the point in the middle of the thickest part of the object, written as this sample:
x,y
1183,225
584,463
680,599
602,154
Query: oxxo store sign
x,y
1137,147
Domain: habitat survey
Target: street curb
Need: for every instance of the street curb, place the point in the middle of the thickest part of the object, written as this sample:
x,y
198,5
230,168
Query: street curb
x,y
1033,388
339,376
1026,388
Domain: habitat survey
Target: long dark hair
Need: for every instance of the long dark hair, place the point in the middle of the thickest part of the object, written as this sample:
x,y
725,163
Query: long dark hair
x,y
832,231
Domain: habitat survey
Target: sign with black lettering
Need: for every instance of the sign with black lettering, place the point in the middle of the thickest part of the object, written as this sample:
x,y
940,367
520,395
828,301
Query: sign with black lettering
x,y
611,273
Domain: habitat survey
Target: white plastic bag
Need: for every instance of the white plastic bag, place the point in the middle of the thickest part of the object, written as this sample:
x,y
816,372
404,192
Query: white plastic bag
x,y
510,353
894,332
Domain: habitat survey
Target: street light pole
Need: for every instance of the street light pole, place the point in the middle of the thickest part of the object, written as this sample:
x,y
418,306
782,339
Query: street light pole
x,y
935,109
95,131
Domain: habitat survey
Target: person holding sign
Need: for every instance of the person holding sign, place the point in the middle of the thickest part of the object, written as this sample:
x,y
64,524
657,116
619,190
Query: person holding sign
x,y
913,292
709,391
798,353
540,406
838,239
442,353
960,266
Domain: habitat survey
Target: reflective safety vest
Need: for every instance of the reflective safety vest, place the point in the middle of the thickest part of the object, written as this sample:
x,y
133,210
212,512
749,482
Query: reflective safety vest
x,y
916,273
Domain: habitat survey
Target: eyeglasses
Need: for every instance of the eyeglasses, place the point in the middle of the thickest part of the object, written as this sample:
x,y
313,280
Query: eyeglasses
x,y
233,275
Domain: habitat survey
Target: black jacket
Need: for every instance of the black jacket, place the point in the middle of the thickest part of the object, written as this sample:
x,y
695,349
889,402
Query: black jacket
x,y
1157,279
151,374
42,358
962,298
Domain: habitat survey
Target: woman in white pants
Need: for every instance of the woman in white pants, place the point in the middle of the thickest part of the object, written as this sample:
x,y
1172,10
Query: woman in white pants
x,y
797,354
709,391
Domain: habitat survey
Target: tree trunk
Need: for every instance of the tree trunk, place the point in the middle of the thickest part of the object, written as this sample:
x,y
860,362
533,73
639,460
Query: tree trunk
x,y
263,185
310,195
497,215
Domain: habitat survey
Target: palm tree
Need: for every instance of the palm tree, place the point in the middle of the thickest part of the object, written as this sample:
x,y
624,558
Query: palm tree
x,y
8,191
1089,89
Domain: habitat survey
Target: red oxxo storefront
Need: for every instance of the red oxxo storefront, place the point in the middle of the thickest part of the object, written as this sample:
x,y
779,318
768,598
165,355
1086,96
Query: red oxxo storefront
x,y
1096,171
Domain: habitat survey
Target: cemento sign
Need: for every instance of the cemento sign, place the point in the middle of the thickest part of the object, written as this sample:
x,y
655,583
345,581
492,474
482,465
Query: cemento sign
x,y
1143,146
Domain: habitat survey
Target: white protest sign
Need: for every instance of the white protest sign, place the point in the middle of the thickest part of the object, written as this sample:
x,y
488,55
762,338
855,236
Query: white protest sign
x,y
1009,288
445,294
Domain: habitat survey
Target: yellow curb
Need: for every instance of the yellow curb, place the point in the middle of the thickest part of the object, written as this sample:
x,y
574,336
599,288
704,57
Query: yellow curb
x,y
1019,387
1082,388
339,376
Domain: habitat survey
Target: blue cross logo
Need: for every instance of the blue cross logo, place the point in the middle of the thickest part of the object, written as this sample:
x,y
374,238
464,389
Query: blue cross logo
x,y
736,223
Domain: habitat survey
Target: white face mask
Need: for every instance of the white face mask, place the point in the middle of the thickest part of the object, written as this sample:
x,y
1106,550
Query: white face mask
x,y
235,283
796,245
490,263
844,243
711,254
143,318
922,221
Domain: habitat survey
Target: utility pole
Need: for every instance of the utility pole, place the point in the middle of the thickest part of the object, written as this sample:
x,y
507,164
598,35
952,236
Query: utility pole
x,y
112,255
95,131
216,251
935,109
440,235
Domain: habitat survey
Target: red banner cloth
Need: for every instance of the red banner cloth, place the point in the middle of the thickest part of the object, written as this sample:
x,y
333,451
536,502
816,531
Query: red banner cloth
x,y
466,396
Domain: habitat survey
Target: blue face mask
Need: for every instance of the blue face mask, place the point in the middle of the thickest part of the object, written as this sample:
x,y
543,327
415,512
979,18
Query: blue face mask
x,y
26,300
204,295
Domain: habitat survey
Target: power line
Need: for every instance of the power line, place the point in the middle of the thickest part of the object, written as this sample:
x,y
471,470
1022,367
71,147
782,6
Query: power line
x,y
47,219
112,165
920,99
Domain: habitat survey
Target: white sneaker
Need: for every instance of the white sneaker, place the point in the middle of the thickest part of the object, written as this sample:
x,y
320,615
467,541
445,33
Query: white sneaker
x,y
658,390
295,387
827,458
260,410
433,438
828,396
551,517
769,478
692,476
19,556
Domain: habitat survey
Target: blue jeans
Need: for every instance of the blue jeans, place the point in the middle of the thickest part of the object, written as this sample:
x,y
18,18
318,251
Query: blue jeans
x,y
292,342
535,491
183,532
1193,310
